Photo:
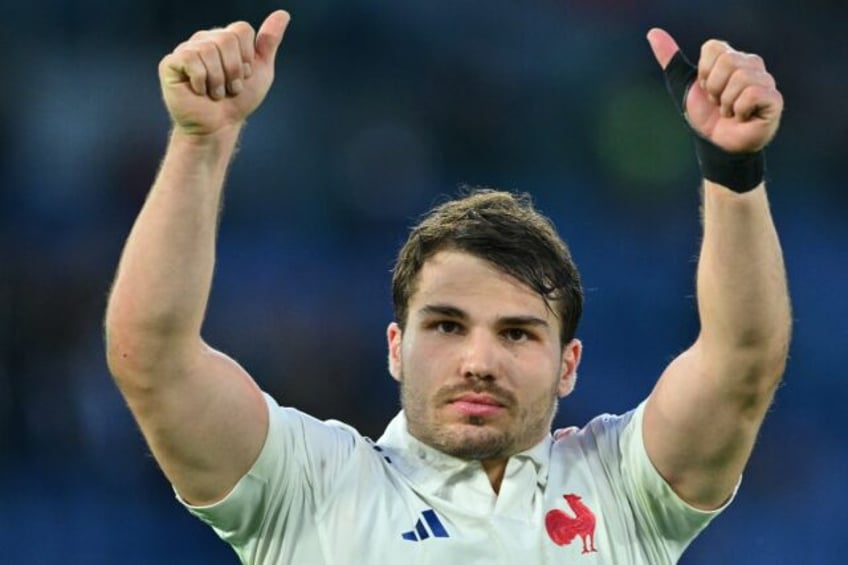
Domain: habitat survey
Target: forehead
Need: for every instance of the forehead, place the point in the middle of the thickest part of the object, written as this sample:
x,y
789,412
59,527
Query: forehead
x,y
474,285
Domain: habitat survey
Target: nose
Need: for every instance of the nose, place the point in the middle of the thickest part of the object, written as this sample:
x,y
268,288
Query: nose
x,y
479,356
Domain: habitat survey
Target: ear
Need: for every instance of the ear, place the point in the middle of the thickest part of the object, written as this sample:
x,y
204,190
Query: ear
x,y
571,353
394,337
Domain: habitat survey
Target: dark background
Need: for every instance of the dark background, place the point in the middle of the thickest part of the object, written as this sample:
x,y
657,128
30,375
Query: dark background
x,y
378,109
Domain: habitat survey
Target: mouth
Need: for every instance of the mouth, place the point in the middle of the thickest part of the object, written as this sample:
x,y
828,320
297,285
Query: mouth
x,y
474,404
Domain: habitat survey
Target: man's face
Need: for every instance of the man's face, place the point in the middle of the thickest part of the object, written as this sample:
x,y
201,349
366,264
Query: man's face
x,y
480,362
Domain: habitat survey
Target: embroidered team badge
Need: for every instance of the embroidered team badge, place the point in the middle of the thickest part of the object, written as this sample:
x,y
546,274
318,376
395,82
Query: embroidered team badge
x,y
564,528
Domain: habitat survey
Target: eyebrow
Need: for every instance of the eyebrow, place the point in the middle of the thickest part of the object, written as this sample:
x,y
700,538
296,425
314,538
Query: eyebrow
x,y
456,313
442,310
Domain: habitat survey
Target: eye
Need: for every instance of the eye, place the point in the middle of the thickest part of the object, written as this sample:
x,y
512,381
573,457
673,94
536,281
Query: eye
x,y
516,334
447,327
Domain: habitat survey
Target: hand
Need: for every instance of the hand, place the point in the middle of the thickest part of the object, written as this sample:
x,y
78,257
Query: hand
x,y
217,78
734,101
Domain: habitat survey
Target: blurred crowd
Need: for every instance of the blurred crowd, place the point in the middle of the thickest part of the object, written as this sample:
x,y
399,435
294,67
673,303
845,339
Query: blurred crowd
x,y
378,111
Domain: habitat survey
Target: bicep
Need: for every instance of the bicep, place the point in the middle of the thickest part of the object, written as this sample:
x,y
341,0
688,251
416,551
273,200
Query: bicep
x,y
700,425
205,422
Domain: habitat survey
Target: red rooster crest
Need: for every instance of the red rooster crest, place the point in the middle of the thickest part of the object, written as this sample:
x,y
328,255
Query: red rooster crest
x,y
563,528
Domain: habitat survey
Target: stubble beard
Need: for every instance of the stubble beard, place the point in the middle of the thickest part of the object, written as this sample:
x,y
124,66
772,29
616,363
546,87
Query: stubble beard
x,y
477,439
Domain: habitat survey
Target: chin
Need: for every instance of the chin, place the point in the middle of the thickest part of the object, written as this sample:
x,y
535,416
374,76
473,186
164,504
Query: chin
x,y
477,421
477,441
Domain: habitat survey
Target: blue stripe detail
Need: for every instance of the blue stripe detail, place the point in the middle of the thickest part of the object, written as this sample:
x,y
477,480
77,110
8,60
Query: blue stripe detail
x,y
435,524
409,536
422,531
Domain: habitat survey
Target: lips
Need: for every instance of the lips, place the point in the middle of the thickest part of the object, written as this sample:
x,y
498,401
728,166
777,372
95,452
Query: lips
x,y
475,404
478,398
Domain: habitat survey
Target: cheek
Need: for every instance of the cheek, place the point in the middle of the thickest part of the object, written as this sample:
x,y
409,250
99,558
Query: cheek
x,y
543,373
426,363
420,352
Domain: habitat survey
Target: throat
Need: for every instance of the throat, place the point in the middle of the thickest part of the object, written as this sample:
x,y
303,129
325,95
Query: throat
x,y
495,469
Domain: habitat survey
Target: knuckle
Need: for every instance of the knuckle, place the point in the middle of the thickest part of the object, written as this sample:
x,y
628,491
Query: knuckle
x,y
715,46
240,28
214,39
183,51
180,57
742,75
769,80
228,43
729,59
762,78
756,59
729,63
753,77
227,38
207,49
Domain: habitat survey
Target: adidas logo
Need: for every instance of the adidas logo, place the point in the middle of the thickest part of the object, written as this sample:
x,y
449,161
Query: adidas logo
x,y
420,533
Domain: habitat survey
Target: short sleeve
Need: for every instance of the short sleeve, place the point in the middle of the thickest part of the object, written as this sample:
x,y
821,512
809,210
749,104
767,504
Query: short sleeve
x,y
293,473
658,507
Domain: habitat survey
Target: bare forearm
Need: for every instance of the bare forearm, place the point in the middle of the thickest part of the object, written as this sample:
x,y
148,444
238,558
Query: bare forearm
x,y
163,281
742,292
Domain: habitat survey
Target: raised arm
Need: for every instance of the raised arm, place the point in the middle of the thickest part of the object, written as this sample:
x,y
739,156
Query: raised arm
x,y
703,416
202,415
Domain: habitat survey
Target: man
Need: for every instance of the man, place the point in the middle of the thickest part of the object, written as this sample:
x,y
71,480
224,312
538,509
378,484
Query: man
x,y
487,301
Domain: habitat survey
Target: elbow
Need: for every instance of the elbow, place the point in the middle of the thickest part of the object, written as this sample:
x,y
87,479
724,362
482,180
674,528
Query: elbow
x,y
757,378
121,339
138,357
751,370
129,362
762,349
112,338
773,353
763,374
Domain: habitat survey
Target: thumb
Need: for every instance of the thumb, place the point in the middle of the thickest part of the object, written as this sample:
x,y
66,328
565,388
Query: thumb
x,y
663,46
270,35
679,72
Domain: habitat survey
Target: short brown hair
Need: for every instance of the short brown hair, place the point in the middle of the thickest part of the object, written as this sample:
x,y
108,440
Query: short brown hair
x,y
504,229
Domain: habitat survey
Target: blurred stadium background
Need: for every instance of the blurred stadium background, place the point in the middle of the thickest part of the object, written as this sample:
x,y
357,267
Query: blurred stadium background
x,y
379,108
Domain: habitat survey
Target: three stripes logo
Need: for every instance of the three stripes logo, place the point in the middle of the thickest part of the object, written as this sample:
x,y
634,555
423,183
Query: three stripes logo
x,y
421,532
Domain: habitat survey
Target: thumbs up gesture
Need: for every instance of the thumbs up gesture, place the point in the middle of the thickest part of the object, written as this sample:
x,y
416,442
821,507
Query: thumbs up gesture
x,y
217,78
728,98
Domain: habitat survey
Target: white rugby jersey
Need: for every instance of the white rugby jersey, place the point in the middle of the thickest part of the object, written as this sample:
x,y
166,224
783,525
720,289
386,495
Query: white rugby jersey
x,y
321,494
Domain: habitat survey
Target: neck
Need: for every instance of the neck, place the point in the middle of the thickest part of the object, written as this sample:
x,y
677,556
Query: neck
x,y
495,469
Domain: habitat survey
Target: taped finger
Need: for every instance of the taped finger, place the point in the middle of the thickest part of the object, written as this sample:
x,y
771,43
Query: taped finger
x,y
679,75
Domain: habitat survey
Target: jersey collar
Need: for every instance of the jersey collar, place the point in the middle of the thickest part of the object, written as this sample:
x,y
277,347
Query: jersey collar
x,y
427,466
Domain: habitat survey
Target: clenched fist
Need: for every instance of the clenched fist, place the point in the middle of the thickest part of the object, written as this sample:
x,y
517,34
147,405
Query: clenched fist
x,y
733,102
217,78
